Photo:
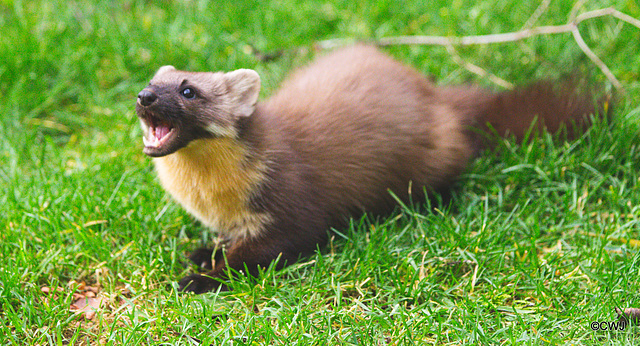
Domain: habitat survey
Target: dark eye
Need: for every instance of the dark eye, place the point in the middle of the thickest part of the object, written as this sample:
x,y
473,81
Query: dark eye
x,y
188,93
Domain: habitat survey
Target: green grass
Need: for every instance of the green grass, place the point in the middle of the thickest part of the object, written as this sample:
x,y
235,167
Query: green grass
x,y
540,240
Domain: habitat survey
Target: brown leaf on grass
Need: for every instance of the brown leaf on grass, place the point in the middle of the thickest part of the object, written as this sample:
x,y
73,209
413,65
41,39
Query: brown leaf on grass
x,y
48,290
87,306
92,289
50,294
86,300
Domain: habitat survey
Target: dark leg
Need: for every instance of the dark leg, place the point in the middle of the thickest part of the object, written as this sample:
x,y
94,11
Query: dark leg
x,y
205,257
249,253
202,258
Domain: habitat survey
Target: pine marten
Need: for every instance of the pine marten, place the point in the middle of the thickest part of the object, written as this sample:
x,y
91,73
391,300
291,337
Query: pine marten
x,y
337,139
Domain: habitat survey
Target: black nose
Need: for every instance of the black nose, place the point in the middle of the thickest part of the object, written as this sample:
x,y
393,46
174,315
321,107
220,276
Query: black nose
x,y
146,97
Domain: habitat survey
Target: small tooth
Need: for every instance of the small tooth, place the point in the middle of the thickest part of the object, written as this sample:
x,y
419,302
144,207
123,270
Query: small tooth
x,y
153,142
155,136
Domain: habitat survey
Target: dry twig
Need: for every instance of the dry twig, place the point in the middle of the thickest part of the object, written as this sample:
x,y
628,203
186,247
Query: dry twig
x,y
477,69
526,32
537,14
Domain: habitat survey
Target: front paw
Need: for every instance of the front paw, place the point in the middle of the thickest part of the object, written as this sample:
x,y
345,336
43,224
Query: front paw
x,y
202,258
198,284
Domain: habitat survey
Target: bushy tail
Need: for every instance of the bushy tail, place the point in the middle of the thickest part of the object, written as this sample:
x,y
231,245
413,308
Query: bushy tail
x,y
565,106
544,105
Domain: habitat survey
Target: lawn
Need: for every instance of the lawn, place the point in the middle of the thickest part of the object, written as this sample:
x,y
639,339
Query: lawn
x,y
540,240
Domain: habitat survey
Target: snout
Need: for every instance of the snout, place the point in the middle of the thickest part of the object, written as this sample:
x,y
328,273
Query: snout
x,y
146,97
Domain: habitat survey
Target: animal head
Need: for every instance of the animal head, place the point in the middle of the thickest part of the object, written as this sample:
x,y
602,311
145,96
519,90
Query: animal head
x,y
178,107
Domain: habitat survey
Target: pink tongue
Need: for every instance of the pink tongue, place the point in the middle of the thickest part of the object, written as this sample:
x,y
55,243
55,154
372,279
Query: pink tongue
x,y
162,131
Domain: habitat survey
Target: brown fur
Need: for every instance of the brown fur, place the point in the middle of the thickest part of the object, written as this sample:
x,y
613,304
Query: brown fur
x,y
331,143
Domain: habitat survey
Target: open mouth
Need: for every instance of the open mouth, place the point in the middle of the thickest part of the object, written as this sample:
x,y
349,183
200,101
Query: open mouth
x,y
157,135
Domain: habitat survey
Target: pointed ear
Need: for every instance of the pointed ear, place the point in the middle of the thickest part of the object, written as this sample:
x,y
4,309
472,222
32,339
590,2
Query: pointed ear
x,y
244,88
165,68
